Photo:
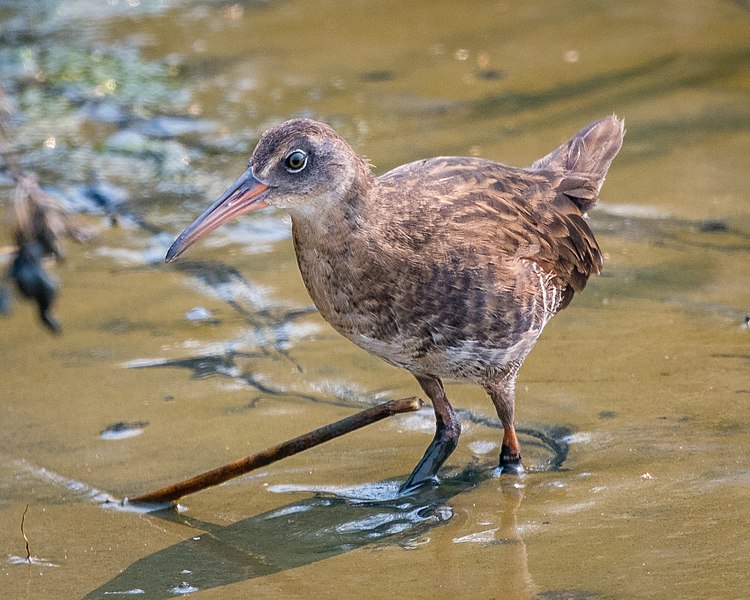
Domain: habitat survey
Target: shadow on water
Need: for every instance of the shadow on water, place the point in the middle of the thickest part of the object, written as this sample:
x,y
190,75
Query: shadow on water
x,y
332,522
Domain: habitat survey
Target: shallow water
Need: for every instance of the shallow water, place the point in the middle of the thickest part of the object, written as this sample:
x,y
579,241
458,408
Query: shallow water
x,y
640,387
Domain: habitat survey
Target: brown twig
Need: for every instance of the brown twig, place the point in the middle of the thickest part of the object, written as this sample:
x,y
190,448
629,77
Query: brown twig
x,y
23,533
171,493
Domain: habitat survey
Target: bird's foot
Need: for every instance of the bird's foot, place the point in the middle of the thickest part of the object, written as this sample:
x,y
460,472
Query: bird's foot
x,y
444,442
515,469
412,485
510,463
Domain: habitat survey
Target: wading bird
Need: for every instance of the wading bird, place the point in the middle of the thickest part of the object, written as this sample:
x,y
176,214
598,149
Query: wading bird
x,y
448,267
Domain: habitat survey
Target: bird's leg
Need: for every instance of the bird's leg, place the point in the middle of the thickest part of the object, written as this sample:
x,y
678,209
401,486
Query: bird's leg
x,y
510,452
503,396
447,431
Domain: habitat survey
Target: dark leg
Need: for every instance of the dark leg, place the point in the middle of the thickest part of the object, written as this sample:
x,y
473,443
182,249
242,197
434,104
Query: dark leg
x,y
447,430
503,394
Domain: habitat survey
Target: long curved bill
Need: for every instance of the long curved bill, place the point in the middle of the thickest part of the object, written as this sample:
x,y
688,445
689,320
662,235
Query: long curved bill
x,y
245,195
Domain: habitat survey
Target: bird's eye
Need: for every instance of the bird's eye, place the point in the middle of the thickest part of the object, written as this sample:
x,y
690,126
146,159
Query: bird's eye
x,y
295,161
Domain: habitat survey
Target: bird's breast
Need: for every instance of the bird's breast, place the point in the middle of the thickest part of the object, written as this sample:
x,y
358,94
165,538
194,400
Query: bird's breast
x,y
455,315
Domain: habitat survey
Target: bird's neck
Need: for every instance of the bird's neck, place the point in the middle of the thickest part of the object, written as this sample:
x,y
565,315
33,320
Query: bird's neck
x,y
331,246
333,221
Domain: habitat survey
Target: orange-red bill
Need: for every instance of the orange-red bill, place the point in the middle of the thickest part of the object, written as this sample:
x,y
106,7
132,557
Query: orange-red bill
x,y
245,195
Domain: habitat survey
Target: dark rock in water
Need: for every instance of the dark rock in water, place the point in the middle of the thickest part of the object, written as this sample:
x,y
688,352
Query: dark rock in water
x,y
122,430
105,194
712,226
34,283
492,74
375,76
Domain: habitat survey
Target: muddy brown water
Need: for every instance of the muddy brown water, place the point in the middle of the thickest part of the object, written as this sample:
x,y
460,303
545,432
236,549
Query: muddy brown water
x,y
643,383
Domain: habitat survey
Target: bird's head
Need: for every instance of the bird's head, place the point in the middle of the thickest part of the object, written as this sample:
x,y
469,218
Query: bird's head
x,y
301,165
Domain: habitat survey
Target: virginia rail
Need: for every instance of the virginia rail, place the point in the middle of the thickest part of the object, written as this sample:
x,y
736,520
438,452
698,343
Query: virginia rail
x,y
448,267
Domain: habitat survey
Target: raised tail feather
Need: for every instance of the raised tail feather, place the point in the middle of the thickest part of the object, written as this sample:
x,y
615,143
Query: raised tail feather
x,y
586,158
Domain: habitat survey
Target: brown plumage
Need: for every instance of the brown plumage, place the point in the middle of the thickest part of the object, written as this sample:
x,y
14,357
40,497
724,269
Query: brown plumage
x,y
446,267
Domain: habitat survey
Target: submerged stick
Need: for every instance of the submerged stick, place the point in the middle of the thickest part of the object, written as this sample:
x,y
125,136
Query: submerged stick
x,y
308,440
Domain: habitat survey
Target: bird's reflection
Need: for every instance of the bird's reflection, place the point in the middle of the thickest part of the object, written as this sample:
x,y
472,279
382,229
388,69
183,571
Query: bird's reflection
x,y
310,530
516,563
